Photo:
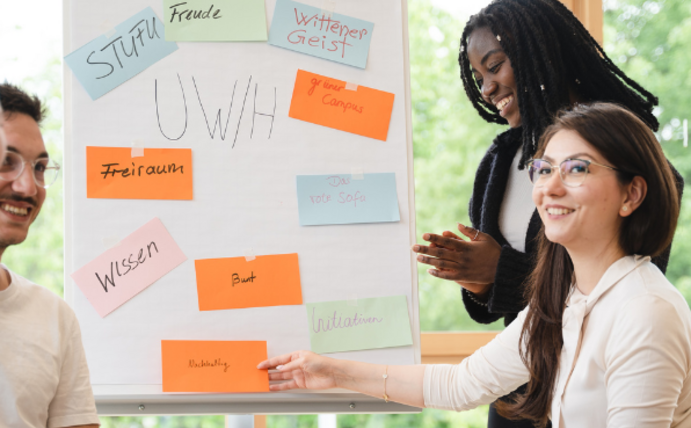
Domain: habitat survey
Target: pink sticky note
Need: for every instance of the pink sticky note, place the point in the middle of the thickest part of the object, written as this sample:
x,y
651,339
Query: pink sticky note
x,y
129,267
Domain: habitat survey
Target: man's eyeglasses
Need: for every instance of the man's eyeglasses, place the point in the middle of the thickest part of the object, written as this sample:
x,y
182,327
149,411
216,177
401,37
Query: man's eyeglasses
x,y
571,171
45,170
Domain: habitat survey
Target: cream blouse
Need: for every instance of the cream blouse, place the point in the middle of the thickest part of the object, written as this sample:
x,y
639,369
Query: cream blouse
x,y
626,360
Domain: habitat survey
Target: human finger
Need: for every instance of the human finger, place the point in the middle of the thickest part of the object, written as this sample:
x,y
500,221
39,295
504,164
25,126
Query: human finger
x,y
296,364
449,234
284,386
450,243
275,361
438,263
280,375
470,232
439,252
453,275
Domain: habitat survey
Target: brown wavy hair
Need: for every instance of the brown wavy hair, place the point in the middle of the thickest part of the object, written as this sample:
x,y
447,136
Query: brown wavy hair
x,y
626,142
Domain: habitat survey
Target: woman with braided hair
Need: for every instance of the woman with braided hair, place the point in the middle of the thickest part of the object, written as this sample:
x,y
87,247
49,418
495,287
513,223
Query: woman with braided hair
x,y
521,61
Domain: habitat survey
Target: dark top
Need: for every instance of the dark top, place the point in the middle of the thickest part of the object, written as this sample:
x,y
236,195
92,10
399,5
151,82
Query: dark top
x,y
506,297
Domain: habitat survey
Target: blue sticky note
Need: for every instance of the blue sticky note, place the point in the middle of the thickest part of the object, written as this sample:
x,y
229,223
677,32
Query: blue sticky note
x,y
110,60
306,29
341,199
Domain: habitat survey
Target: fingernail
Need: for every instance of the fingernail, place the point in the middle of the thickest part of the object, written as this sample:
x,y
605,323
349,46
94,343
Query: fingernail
x,y
420,258
279,367
431,272
425,236
416,248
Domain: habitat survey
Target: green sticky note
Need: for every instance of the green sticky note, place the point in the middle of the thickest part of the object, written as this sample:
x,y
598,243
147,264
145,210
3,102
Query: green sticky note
x,y
351,325
215,20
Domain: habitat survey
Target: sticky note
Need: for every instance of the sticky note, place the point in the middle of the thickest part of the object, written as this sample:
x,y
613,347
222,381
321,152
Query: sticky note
x,y
306,29
372,323
110,60
112,172
339,199
235,282
214,20
213,366
129,267
325,101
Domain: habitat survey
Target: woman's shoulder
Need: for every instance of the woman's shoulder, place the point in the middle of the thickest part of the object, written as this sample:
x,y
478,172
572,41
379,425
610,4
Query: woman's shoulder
x,y
647,296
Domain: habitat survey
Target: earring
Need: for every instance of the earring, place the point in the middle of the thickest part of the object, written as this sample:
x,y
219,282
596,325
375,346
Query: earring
x,y
498,37
625,208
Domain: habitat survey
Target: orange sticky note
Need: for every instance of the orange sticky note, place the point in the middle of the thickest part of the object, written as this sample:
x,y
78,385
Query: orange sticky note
x,y
326,101
213,366
232,283
112,172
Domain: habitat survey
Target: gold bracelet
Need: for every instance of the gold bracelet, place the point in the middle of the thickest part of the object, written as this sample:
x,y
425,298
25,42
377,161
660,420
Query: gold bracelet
x,y
385,375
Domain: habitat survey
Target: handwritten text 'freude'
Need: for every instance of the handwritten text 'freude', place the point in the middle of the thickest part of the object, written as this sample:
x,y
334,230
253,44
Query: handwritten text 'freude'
x,y
329,322
110,169
328,28
342,197
203,364
127,263
192,14
127,47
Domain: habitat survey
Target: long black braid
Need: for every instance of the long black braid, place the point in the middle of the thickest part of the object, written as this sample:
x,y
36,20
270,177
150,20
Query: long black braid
x,y
551,53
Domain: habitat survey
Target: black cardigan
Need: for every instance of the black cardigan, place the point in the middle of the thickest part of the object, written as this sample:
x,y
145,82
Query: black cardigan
x,y
506,297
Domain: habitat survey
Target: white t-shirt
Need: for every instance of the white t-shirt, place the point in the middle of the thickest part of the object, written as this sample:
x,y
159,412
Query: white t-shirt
x,y
44,379
626,359
517,207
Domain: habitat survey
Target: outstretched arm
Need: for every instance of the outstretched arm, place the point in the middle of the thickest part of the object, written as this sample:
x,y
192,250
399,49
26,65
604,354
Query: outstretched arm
x,y
307,370
491,372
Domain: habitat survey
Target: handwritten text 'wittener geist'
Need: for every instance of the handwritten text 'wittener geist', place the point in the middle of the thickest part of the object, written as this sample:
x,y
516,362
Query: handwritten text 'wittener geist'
x,y
329,27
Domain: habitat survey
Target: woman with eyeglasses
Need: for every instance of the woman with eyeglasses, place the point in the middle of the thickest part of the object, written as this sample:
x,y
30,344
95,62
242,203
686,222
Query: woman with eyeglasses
x,y
521,61
605,339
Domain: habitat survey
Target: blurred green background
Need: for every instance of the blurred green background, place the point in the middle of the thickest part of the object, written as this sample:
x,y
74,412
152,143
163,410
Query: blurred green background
x,y
647,39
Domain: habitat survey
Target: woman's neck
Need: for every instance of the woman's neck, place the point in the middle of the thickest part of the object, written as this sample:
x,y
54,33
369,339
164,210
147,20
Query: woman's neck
x,y
589,266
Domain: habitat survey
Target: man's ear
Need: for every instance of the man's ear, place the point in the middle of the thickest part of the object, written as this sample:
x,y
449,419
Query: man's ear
x,y
635,195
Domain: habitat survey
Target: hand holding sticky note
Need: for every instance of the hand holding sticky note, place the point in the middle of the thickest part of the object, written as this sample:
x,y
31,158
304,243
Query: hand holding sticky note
x,y
126,269
112,172
213,366
341,199
335,103
361,324
108,61
232,283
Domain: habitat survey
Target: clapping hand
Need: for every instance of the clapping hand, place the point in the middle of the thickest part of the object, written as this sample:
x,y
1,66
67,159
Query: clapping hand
x,y
471,263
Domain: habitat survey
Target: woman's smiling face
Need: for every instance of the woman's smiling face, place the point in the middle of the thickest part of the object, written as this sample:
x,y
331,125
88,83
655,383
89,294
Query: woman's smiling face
x,y
583,217
492,70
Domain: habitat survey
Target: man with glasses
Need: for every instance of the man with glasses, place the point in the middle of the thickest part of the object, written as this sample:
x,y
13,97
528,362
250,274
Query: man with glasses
x,y
44,379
